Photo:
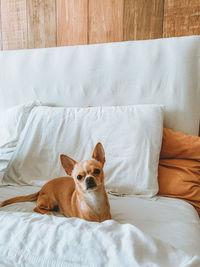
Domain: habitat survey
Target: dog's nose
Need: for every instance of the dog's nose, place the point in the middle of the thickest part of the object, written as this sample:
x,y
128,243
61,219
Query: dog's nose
x,y
90,182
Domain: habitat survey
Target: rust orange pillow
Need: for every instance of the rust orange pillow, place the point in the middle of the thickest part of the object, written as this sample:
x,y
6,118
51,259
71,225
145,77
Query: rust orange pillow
x,y
179,167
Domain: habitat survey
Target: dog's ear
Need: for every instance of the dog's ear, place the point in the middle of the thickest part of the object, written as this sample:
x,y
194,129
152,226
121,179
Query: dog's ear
x,y
67,163
99,153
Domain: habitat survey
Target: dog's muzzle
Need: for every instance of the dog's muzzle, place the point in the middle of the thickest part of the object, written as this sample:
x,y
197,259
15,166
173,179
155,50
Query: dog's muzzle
x,y
90,182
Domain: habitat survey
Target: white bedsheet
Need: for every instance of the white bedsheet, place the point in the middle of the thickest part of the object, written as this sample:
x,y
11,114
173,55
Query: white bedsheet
x,y
31,239
171,220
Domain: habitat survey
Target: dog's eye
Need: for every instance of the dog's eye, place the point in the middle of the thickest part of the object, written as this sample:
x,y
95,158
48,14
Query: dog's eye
x,y
79,177
96,171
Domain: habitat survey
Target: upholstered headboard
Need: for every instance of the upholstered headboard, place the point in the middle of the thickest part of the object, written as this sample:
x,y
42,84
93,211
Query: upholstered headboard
x,y
164,71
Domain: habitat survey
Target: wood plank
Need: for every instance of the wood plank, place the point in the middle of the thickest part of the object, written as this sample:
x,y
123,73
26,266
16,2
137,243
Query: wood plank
x,y
41,23
72,22
14,24
50,23
143,19
105,21
181,17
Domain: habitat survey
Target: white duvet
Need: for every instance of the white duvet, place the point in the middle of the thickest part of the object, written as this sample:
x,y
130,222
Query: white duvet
x,y
30,239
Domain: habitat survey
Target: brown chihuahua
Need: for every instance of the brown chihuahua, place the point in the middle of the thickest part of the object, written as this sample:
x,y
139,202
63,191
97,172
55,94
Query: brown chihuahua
x,y
83,195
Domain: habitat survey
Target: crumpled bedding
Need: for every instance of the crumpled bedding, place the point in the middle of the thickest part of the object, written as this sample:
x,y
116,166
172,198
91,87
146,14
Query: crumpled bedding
x,y
32,239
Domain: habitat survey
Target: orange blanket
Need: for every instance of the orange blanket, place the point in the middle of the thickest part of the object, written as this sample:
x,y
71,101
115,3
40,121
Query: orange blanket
x,y
179,167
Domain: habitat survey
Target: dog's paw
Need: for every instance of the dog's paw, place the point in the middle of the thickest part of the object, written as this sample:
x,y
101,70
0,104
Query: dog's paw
x,y
42,211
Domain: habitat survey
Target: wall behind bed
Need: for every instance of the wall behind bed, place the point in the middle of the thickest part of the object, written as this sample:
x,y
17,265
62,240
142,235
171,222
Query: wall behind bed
x,y
45,23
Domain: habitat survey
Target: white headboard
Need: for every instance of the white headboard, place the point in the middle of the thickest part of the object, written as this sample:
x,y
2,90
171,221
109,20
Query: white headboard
x,y
163,71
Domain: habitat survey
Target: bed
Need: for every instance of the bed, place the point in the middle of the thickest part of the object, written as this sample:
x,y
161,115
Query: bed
x,y
144,231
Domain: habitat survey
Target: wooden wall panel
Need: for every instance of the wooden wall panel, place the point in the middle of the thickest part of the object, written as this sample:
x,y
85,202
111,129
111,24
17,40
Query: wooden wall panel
x,y
181,17
105,21
13,24
46,23
72,22
41,23
143,19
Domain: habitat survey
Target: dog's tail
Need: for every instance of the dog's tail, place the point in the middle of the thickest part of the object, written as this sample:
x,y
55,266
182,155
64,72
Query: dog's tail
x,y
30,197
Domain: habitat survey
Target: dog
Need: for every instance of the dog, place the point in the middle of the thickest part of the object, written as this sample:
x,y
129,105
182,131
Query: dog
x,y
82,195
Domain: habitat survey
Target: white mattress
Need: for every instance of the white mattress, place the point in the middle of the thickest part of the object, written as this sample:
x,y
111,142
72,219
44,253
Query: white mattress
x,y
173,221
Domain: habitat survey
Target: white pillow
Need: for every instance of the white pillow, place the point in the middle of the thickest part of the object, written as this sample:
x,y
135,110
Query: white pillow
x,y
12,122
131,136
